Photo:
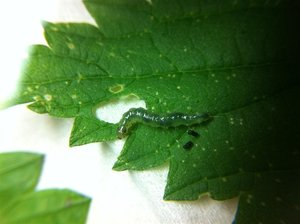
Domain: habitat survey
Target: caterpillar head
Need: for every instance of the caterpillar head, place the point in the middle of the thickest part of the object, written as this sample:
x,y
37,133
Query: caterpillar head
x,y
122,132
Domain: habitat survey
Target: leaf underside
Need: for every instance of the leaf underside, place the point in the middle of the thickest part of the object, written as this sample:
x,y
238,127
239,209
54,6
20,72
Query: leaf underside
x,y
19,203
233,59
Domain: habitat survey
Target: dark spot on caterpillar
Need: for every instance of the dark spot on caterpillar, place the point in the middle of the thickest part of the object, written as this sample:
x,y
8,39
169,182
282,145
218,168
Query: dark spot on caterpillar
x,y
188,146
141,115
193,133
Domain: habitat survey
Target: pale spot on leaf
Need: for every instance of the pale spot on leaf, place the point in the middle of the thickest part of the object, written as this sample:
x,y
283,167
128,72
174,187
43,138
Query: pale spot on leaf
x,y
71,46
48,97
36,98
112,54
79,77
29,89
116,88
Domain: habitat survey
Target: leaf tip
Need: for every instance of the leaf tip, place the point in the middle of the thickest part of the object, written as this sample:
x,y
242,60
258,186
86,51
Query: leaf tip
x,y
119,166
45,23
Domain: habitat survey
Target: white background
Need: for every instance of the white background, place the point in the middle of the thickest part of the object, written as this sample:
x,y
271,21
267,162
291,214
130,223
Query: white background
x,y
118,197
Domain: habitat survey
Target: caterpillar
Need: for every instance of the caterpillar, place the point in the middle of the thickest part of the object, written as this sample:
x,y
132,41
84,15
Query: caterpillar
x,y
141,115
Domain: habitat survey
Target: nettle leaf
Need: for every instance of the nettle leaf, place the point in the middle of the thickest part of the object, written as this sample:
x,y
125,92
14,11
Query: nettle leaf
x,y
20,203
19,174
233,59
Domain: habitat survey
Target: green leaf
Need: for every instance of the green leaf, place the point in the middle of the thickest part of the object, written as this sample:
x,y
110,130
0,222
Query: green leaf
x,y
233,59
50,206
19,174
19,203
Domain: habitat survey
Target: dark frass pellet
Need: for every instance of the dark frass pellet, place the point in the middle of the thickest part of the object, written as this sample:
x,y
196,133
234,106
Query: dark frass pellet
x,y
188,146
193,133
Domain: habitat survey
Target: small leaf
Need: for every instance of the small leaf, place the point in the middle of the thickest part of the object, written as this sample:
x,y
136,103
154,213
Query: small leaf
x,y
19,174
48,207
19,203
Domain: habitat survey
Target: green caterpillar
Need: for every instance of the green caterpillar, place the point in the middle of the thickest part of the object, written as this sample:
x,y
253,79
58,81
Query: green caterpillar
x,y
141,115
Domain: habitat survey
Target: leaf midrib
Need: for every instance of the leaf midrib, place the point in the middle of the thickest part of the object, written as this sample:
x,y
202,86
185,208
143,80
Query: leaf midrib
x,y
145,76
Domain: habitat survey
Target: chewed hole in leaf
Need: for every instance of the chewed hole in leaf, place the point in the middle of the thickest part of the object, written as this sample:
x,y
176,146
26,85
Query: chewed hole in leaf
x,y
112,111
